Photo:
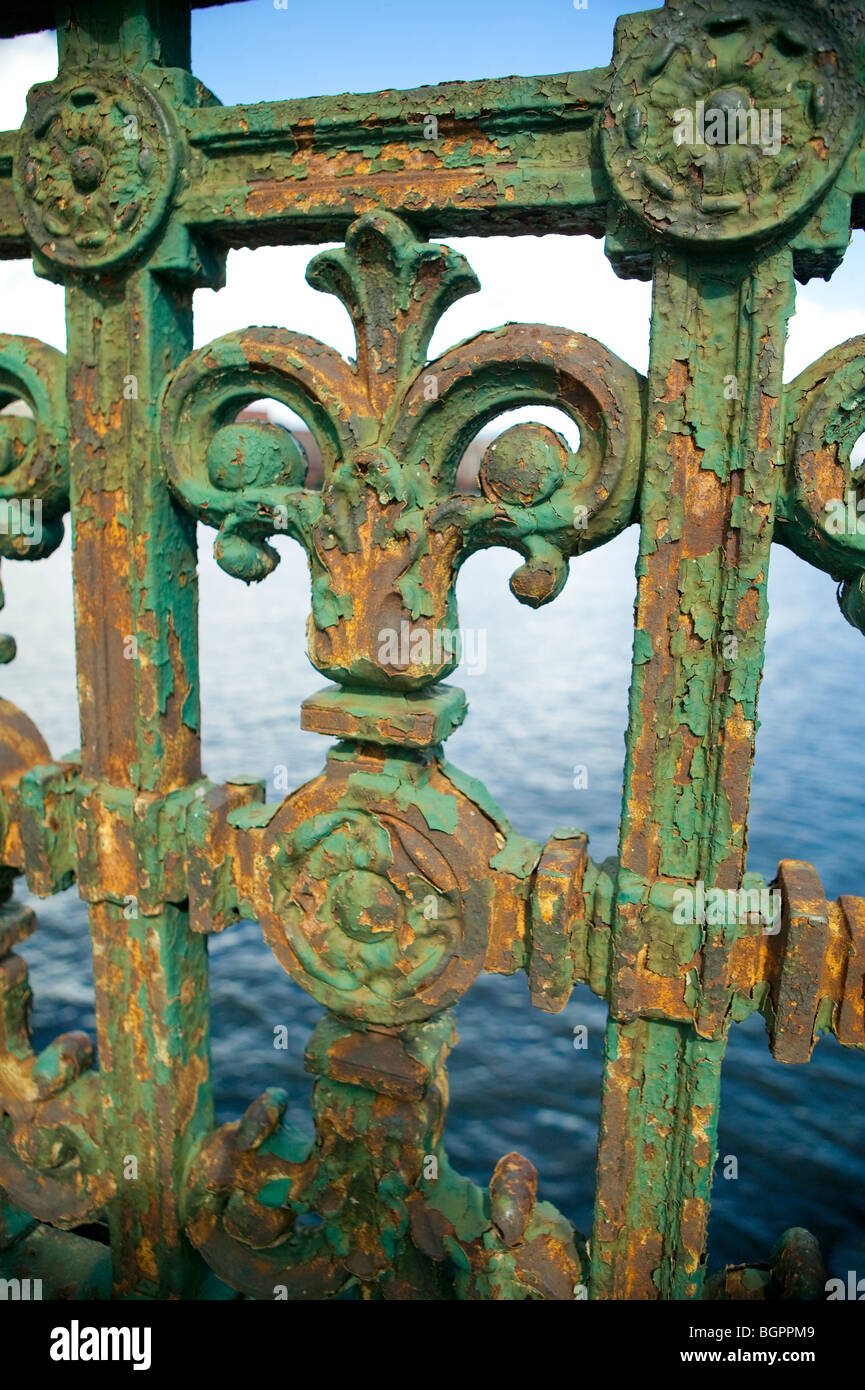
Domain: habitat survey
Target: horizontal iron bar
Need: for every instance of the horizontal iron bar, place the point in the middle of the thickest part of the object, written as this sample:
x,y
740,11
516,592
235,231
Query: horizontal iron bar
x,y
511,155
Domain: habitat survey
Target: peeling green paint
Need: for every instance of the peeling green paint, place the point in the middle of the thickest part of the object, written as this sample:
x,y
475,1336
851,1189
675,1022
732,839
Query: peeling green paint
x,y
387,883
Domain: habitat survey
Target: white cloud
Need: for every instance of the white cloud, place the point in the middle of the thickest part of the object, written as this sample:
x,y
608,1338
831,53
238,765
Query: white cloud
x,y
814,329
265,287
558,280
28,305
564,281
23,61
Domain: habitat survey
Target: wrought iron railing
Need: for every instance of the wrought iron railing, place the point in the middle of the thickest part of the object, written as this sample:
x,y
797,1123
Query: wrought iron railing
x,y
721,155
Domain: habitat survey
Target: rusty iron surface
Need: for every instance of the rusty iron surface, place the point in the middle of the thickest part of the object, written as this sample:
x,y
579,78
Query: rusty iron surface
x,y
389,882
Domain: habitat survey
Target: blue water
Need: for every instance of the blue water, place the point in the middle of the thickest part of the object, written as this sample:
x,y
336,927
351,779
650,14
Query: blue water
x,y
553,695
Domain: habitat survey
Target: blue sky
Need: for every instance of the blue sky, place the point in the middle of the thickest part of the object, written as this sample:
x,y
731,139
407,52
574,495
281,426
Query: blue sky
x,y
255,52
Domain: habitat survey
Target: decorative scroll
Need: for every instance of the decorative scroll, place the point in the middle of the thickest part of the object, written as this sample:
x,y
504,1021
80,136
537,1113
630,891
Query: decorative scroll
x,y
34,451
428,1233
50,1106
824,519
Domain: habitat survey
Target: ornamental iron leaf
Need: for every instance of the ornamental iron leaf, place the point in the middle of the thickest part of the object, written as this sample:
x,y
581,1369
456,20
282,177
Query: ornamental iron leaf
x,y
387,533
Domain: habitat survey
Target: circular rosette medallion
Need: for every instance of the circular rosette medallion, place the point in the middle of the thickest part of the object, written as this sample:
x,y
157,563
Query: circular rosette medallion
x,y
95,167
724,124
368,915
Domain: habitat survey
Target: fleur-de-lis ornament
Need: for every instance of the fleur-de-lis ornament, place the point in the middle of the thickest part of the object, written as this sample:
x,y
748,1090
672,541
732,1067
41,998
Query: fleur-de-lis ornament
x,y
388,531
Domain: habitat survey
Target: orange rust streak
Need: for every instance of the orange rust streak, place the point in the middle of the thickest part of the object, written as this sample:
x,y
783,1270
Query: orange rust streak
x,y
106,678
